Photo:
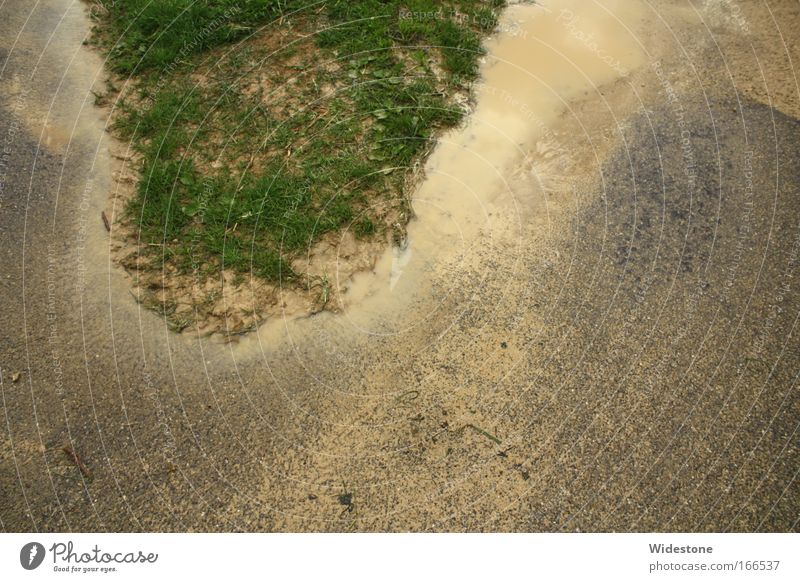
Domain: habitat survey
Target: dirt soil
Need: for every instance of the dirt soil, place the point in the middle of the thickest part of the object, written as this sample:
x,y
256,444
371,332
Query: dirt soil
x,y
592,328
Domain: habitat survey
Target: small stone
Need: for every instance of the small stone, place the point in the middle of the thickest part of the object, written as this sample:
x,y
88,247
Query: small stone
x,y
15,377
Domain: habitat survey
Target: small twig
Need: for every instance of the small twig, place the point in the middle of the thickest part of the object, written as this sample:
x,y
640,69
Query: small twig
x,y
491,437
73,456
105,221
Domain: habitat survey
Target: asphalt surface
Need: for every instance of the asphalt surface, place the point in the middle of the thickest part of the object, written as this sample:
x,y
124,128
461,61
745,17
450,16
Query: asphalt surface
x,y
634,370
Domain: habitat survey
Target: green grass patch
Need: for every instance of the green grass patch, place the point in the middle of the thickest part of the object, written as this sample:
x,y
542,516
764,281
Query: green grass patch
x,y
264,125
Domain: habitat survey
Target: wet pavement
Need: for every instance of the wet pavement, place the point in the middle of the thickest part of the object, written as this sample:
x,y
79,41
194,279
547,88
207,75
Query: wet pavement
x,y
614,347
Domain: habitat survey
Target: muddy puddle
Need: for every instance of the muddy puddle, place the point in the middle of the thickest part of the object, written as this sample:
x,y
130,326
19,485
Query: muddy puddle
x,y
511,168
486,181
483,184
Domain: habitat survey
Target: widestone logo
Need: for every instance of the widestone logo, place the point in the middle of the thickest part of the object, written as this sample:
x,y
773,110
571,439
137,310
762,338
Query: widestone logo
x,y
31,555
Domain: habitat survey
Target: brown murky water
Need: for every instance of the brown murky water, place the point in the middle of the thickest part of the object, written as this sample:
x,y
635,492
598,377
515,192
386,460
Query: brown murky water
x,y
479,180
532,360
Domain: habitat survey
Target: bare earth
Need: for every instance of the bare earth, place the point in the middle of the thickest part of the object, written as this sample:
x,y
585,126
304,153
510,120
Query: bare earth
x,y
594,326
